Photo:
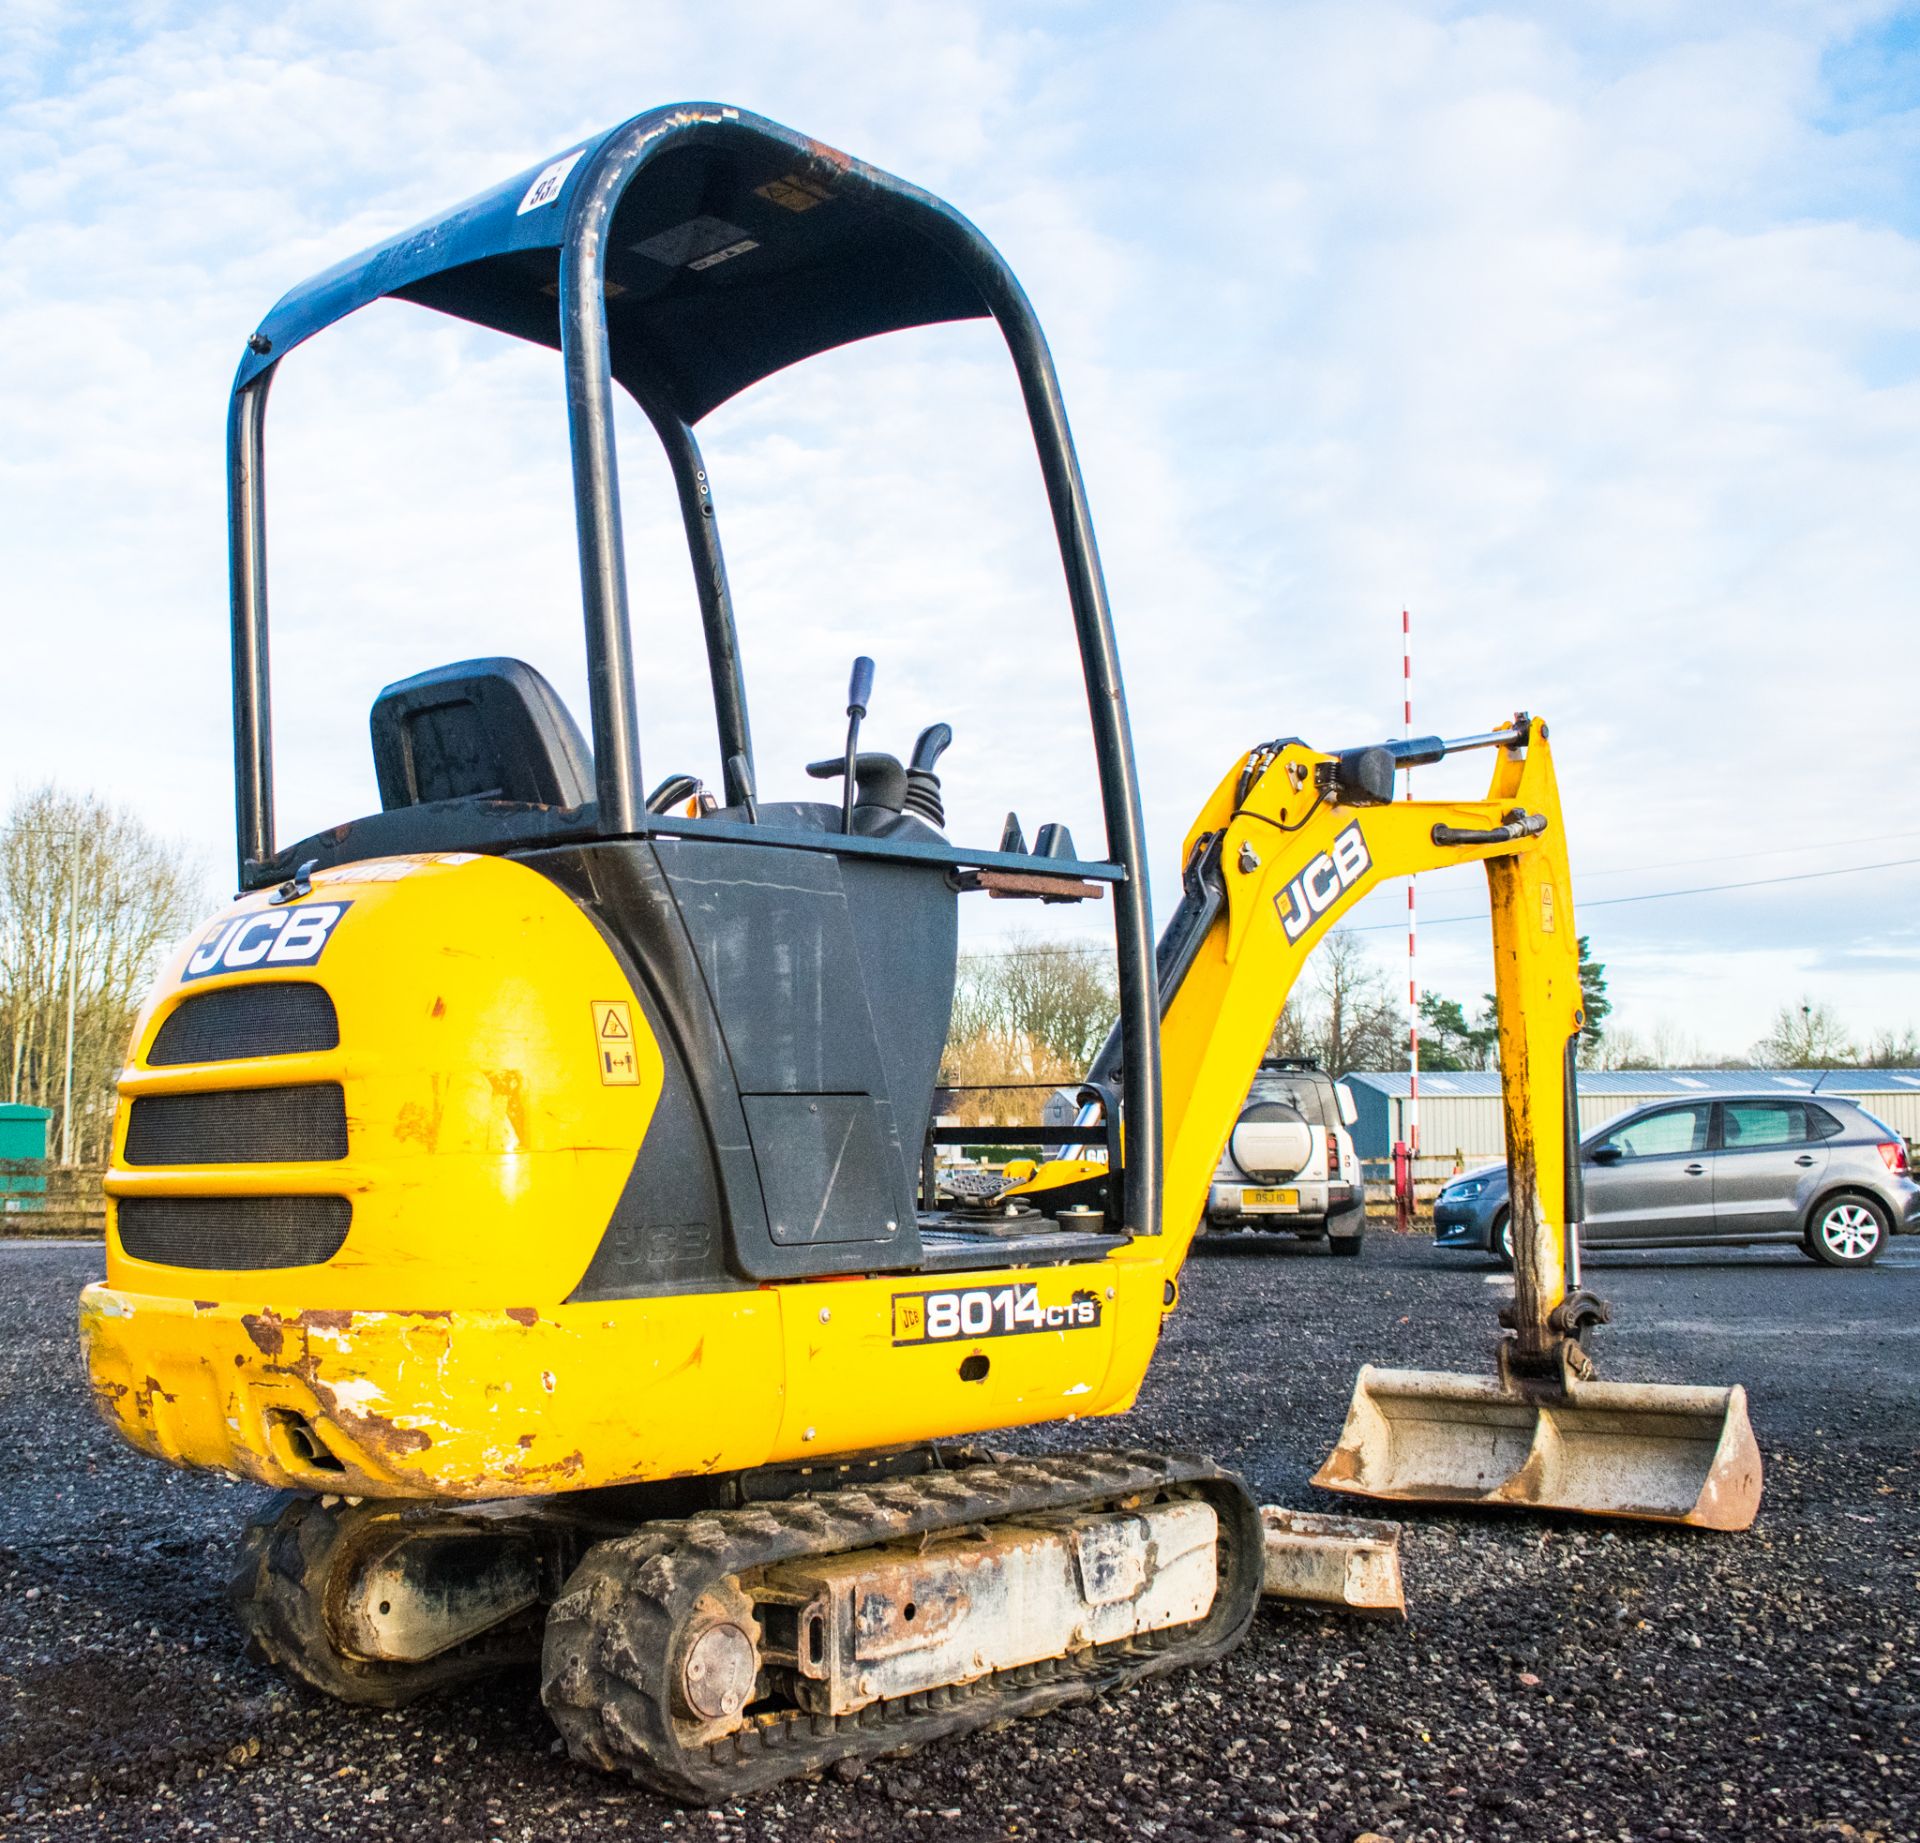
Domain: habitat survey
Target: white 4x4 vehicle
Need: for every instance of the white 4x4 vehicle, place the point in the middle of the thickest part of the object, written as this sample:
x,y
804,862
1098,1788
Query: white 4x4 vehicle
x,y
1290,1167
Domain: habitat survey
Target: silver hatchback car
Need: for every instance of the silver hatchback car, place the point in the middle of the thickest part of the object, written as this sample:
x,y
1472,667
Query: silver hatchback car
x,y
1736,1168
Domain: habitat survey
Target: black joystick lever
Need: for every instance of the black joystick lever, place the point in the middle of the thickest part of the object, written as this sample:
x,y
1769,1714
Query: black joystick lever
x,y
859,694
923,785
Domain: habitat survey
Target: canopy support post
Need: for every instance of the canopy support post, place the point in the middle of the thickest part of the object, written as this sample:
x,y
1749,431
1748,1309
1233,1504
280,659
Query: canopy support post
x,y
247,593
716,600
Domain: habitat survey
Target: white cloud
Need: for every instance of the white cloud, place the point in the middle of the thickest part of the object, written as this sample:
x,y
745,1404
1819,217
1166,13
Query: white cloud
x,y
1592,336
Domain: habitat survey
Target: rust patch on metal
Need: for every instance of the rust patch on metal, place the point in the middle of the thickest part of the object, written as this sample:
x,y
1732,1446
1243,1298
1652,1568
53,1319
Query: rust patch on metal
x,y
569,1467
376,1432
832,156
327,1318
1342,1463
420,1120
439,1008
692,1360
510,1090
523,1314
143,1397
205,1305
266,1331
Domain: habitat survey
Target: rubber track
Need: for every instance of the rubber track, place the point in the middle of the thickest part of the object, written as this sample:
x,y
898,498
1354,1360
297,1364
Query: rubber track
x,y
611,1636
289,1552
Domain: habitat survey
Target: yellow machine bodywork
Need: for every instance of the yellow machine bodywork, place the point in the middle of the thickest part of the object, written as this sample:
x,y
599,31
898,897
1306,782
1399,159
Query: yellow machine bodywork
x,y
438,1353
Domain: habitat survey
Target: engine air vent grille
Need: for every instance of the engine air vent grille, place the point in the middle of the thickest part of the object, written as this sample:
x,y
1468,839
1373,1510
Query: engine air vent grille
x,y
239,1126
234,1233
282,1018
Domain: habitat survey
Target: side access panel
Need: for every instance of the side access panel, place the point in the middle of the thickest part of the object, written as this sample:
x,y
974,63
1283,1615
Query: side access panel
x,y
750,977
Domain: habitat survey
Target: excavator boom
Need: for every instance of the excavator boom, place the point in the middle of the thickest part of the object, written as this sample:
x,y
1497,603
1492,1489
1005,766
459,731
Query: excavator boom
x,y
1291,840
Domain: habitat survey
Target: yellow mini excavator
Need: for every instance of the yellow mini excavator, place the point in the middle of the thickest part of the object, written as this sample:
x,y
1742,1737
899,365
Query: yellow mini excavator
x,y
523,1178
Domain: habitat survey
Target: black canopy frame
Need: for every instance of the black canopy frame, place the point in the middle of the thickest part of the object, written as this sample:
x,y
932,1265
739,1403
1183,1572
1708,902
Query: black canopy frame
x,y
486,262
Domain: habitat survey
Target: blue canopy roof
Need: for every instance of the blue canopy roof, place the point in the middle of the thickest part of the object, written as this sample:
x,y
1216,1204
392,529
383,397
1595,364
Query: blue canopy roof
x,y
739,248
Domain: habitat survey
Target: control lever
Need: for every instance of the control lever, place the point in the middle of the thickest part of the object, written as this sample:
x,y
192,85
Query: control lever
x,y
878,780
859,694
923,785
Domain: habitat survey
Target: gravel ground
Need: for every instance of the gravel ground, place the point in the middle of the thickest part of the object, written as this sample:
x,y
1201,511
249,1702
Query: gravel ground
x,y
1552,1681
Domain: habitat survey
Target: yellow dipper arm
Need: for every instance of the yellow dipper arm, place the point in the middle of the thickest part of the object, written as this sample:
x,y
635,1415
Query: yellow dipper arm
x,y
1295,850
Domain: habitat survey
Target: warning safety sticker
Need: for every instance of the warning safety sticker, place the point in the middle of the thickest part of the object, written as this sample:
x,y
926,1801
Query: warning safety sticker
x,y
613,1039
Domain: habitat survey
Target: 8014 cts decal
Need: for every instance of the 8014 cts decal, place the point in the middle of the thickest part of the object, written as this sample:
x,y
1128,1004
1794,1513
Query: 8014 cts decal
x,y
987,1311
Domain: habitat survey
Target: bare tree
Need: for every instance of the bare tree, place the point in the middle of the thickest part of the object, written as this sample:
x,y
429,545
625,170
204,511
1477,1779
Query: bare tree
x,y
1033,1012
1665,1046
1343,1013
1892,1049
1804,1036
89,898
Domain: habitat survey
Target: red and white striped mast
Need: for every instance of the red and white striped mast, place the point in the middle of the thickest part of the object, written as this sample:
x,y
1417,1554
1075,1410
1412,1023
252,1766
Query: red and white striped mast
x,y
1413,987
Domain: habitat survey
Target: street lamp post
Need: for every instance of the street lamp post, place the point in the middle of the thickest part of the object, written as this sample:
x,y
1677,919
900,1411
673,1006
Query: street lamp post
x,y
73,979
73,838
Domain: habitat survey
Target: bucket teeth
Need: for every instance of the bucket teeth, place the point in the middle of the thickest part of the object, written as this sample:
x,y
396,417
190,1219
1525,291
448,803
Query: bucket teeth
x,y
1654,1452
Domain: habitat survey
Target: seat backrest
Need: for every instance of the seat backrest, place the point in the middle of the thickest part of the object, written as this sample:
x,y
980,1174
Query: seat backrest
x,y
481,729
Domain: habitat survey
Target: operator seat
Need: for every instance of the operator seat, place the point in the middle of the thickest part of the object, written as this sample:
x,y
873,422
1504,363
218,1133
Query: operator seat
x,y
480,729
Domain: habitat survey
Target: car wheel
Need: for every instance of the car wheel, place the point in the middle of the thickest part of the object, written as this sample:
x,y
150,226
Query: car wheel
x,y
1500,1241
1847,1231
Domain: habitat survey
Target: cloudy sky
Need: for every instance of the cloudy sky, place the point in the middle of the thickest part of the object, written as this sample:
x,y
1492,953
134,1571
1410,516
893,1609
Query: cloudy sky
x,y
1590,334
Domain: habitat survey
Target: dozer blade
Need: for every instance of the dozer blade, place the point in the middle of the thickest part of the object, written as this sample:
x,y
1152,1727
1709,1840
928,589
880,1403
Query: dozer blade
x,y
1348,1562
1654,1451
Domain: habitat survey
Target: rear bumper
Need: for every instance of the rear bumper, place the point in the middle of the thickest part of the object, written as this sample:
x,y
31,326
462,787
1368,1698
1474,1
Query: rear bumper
x,y
1316,1200
474,1402
452,1404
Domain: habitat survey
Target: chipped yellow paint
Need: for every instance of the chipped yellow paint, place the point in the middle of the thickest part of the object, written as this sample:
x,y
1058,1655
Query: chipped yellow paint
x,y
475,1404
485,1153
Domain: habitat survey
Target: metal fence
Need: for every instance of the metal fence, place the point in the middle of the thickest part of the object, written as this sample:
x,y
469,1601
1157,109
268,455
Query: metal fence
x,y
39,1199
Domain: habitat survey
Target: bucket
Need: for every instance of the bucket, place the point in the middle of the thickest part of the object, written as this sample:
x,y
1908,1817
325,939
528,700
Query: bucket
x,y
1656,1452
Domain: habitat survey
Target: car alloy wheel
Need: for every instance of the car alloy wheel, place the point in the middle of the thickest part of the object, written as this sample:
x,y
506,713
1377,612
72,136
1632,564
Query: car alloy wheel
x,y
1848,1233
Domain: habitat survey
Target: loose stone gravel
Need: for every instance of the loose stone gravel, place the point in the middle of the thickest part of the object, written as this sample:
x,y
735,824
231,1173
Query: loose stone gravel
x,y
1554,1680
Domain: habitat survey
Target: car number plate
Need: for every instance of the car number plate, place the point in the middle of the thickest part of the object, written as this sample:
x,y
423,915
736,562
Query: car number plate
x,y
1270,1199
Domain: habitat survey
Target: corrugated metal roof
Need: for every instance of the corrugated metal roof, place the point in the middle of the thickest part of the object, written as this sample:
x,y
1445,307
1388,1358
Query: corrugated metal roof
x,y
1396,1083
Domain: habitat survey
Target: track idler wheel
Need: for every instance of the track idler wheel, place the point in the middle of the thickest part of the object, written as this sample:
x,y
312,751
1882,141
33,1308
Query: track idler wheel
x,y
310,1593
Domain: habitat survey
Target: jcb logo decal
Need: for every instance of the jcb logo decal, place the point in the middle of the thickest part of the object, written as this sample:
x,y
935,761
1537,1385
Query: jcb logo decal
x,y
267,937
1313,891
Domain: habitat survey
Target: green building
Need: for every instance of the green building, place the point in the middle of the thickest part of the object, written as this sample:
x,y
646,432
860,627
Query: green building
x,y
23,1156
